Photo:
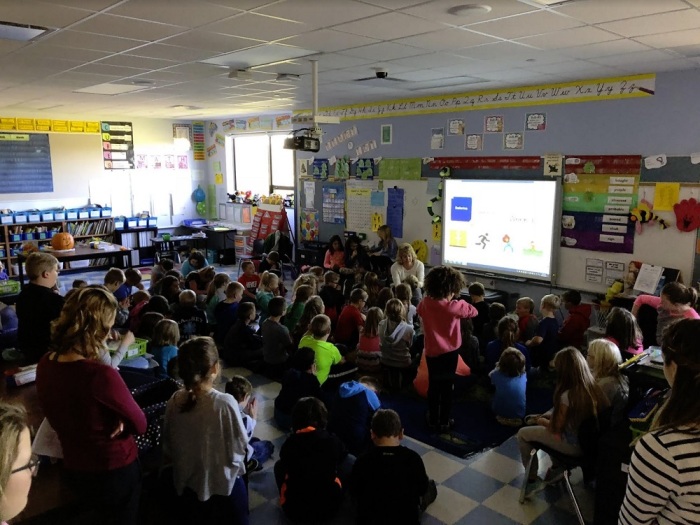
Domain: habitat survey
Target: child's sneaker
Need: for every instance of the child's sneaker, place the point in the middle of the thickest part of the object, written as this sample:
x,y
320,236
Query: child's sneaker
x,y
253,465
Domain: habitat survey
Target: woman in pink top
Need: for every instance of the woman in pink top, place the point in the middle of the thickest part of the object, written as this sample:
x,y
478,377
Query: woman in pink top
x,y
440,316
335,255
622,329
676,302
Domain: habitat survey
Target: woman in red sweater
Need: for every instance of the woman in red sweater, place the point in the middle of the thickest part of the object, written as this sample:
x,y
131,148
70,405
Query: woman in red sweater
x,y
91,409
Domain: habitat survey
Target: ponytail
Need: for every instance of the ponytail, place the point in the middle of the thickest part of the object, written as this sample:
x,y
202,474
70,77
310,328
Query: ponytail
x,y
678,293
196,358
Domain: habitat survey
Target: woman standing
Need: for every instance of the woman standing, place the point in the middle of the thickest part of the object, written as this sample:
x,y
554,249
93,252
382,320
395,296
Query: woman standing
x,y
676,302
91,409
406,264
664,486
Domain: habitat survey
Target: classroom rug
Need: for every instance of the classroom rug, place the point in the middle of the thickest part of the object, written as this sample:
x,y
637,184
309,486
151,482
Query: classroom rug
x,y
475,428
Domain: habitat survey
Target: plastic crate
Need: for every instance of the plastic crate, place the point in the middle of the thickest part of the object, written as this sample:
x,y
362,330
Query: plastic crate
x,y
153,222
71,214
136,349
194,222
59,216
15,237
20,218
47,216
34,216
83,213
119,224
7,218
106,212
95,213
132,222
9,287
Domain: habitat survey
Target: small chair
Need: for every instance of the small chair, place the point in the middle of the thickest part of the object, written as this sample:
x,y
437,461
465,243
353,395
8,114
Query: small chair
x,y
589,434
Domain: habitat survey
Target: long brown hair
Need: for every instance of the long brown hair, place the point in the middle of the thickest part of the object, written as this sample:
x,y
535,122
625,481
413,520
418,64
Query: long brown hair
x,y
84,323
680,346
585,396
622,326
196,358
220,280
13,421
507,331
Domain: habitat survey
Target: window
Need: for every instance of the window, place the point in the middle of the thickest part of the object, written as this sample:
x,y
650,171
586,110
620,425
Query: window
x,y
259,163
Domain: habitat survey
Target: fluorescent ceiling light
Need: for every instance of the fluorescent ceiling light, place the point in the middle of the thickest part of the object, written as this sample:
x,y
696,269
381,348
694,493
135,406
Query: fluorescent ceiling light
x,y
259,55
547,3
110,89
21,32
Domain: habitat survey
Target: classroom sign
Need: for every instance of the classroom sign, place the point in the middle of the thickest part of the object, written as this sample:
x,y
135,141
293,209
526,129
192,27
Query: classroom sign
x,y
117,145
599,193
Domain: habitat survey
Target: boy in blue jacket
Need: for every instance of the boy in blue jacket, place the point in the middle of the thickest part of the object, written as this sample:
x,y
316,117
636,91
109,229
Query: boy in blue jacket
x,y
352,411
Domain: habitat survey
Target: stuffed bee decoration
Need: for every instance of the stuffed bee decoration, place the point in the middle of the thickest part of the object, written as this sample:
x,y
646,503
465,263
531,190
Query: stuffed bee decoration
x,y
643,214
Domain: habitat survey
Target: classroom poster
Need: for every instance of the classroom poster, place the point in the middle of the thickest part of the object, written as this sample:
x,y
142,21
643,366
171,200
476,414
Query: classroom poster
x,y
169,162
320,169
599,193
117,145
198,140
455,126
394,211
437,138
308,224
182,162
474,142
513,141
334,203
535,121
493,124
359,208
400,169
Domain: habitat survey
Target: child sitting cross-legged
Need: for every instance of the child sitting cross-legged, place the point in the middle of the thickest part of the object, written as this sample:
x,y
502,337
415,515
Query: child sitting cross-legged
x,y
507,337
510,381
351,320
389,483
276,340
299,381
250,281
226,312
329,361
369,353
308,470
269,284
333,298
163,346
259,451
242,346
190,319
527,320
395,340
543,345
352,411
296,307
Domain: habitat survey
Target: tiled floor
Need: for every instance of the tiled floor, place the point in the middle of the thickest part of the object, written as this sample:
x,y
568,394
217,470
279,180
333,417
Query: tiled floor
x,y
482,489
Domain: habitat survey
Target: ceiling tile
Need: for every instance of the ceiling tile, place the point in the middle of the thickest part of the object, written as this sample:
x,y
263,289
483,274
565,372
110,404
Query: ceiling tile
x,y
196,70
91,5
653,55
676,64
425,75
136,62
394,4
533,23
46,49
40,14
597,11
8,46
577,36
176,53
200,39
316,15
581,67
454,84
250,25
446,39
128,28
615,47
75,79
99,68
676,39
92,41
176,12
384,51
654,24
328,40
498,51
437,11
328,61
389,26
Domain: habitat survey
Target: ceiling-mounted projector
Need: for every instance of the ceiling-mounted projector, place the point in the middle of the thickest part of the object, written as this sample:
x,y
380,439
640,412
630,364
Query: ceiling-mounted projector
x,y
302,143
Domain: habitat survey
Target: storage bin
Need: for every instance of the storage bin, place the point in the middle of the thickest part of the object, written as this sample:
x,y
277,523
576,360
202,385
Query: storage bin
x,y
83,213
9,287
15,237
95,213
106,212
132,222
71,214
118,224
34,216
28,236
2,253
136,349
79,264
59,215
20,217
143,223
153,222
47,216
7,218
241,244
194,222
42,236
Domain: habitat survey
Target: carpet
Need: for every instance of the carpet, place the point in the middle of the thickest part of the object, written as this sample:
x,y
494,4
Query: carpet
x,y
475,428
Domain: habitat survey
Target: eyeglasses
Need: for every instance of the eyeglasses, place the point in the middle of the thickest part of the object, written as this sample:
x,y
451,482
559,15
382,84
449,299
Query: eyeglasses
x,y
32,466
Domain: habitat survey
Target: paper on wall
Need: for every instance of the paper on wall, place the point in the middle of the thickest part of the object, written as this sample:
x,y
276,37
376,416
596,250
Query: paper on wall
x,y
666,195
309,193
655,161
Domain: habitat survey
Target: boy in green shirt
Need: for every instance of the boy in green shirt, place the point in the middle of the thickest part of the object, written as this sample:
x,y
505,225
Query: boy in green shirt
x,y
327,354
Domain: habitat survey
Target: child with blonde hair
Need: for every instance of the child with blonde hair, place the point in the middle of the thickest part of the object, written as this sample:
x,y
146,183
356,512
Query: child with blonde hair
x,y
604,361
368,350
543,345
269,285
510,381
395,339
163,346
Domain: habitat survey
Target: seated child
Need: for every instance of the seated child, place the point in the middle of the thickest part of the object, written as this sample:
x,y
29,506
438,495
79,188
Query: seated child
x,y
299,381
403,293
352,411
242,346
270,263
269,283
226,312
307,473
573,330
527,321
259,451
276,340
121,318
318,272
250,281
543,345
369,353
138,302
395,340
216,292
373,286
507,338
198,281
79,283
469,349
416,292
149,320
385,294
159,270
351,320
490,330
163,346
510,381
327,354
477,294
133,279
332,296
114,278
296,307
604,361
195,261
190,319
312,308
389,483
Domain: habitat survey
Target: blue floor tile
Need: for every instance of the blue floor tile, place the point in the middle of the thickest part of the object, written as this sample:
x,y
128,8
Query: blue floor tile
x,y
486,516
473,484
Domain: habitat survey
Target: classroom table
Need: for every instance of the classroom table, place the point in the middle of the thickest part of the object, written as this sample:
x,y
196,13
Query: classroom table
x,y
82,253
225,233
170,245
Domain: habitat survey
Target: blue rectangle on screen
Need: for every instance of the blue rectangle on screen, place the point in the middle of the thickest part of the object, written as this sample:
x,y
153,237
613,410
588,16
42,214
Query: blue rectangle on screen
x,y
461,209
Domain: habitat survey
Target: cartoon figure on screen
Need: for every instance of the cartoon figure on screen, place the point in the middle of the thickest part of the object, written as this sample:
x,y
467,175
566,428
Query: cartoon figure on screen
x,y
506,242
483,240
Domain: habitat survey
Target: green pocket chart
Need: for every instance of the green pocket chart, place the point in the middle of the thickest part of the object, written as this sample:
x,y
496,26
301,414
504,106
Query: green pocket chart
x,y
601,193
400,169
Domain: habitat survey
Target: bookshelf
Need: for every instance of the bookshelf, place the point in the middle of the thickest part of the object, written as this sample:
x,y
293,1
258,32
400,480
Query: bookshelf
x,y
12,236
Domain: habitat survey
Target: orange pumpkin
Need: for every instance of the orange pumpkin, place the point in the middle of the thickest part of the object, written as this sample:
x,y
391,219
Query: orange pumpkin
x,y
62,241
